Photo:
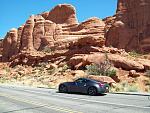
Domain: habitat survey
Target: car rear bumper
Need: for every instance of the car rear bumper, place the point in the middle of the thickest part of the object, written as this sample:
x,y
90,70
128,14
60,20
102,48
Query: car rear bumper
x,y
103,90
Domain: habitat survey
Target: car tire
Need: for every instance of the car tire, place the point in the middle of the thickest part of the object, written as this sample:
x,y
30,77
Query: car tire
x,y
92,91
63,89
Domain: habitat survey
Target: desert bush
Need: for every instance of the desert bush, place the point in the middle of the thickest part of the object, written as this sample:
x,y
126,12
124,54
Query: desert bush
x,y
41,66
104,68
132,88
111,73
51,71
147,84
47,49
7,69
93,69
134,54
2,80
100,69
125,87
147,73
65,67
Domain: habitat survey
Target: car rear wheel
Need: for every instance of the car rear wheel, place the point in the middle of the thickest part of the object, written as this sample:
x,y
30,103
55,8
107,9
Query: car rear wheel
x,y
92,91
63,89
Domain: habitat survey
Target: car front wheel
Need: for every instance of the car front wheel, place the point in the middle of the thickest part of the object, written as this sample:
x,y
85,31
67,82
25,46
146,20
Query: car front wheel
x,y
63,89
92,91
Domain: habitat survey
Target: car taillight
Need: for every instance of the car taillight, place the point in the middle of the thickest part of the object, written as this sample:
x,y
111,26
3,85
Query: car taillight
x,y
101,85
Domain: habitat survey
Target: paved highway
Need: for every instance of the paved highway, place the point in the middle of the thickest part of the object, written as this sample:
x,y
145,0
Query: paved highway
x,y
16,99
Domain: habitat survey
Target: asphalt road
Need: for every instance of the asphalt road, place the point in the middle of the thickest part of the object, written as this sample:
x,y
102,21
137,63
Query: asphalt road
x,y
16,99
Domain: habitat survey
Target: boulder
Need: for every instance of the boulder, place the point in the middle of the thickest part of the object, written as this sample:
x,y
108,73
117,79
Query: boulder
x,y
63,14
145,63
133,73
125,63
105,79
117,61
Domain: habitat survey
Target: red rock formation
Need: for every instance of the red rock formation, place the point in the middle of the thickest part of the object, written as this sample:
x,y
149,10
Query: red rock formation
x,y
20,29
1,46
118,61
10,43
55,31
131,27
63,14
27,37
105,79
38,31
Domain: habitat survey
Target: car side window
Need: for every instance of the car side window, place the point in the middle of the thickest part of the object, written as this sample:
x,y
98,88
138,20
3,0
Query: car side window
x,y
81,81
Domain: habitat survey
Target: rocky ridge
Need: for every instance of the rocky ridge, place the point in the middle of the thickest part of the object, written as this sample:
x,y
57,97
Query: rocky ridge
x,y
48,30
56,37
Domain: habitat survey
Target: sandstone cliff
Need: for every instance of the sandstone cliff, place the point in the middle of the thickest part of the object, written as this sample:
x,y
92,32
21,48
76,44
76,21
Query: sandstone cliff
x,y
55,30
131,27
48,42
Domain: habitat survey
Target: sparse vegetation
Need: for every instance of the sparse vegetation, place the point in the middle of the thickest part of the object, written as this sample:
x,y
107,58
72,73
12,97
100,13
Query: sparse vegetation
x,y
93,69
134,54
125,87
47,49
111,73
3,80
51,71
104,68
65,67
147,85
147,73
7,69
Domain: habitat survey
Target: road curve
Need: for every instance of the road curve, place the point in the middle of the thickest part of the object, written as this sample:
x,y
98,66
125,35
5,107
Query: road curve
x,y
16,99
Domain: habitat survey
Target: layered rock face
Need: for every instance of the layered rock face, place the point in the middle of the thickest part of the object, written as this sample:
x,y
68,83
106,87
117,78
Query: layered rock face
x,y
10,44
131,28
63,14
57,30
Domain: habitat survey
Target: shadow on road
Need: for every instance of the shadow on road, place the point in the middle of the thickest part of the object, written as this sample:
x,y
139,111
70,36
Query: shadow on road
x,y
82,94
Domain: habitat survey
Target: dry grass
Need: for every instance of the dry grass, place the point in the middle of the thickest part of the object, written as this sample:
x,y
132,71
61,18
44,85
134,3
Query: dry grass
x,y
125,87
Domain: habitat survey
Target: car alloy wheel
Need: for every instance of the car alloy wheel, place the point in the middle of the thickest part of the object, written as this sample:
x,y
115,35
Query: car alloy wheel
x,y
62,89
92,91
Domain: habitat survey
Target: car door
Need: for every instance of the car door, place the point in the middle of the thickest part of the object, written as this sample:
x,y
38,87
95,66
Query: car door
x,y
73,87
82,85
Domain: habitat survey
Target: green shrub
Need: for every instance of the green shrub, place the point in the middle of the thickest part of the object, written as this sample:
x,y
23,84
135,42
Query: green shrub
x,y
104,68
134,54
47,49
93,69
65,67
111,73
51,71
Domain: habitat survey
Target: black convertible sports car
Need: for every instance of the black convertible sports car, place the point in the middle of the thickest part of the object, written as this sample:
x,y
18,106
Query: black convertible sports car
x,y
84,85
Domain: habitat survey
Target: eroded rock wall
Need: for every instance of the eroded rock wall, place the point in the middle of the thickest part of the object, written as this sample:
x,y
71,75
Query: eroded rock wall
x,y
56,30
131,28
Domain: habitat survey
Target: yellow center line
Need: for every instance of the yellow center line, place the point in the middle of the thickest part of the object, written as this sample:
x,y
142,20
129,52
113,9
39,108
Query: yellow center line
x,y
56,108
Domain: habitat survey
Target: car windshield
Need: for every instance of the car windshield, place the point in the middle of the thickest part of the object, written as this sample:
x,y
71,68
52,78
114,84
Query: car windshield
x,y
86,79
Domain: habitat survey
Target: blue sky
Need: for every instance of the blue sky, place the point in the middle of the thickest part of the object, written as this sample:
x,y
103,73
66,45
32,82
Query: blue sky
x,y
15,12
